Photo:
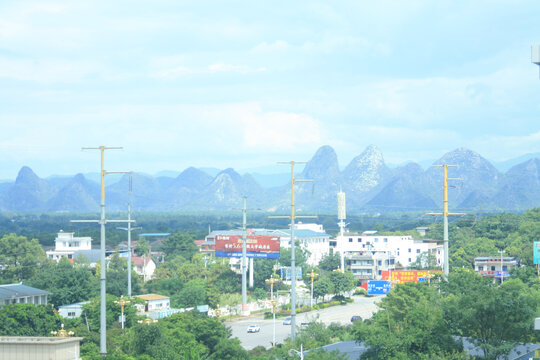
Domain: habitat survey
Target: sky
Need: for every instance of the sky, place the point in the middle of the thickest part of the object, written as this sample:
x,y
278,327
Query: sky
x,y
245,84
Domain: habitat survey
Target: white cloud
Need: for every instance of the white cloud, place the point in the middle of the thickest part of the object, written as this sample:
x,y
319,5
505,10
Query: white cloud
x,y
175,71
46,70
276,46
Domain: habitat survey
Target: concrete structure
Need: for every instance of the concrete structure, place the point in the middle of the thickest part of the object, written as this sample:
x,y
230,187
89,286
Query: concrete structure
x,y
404,249
39,348
72,311
491,266
66,244
22,294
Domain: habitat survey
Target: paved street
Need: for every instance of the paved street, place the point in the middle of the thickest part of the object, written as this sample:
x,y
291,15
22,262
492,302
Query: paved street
x,y
363,306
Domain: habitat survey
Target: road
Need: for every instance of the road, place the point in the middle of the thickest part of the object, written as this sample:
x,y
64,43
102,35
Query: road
x,y
363,306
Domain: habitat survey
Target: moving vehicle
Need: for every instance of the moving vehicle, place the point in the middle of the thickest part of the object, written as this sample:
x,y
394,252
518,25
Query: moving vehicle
x,y
253,329
287,321
355,317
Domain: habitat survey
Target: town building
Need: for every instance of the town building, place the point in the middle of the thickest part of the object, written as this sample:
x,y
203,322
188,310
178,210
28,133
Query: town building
x,y
144,266
495,267
404,249
72,311
66,244
155,306
22,294
369,265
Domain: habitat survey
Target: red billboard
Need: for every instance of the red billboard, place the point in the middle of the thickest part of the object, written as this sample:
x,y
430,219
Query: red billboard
x,y
257,246
401,276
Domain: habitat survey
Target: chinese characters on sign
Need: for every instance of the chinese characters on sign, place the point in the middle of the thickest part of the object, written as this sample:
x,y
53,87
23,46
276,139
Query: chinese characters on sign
x,y
257,246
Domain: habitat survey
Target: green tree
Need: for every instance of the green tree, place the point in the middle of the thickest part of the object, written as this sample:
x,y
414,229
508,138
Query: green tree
x,y
322,287
180,243
411,325
193,294
19,258
28,320
330,262
496,318
67,284
113,312
342,282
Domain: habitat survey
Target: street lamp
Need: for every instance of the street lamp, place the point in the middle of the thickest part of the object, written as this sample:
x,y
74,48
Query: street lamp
x,y
62,332
312,275
272,281
122,302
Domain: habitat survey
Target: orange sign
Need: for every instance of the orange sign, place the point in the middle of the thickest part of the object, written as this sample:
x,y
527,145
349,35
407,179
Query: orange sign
x,y
401,276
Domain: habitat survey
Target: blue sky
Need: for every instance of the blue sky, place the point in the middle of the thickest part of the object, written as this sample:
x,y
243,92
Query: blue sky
x,y
245,84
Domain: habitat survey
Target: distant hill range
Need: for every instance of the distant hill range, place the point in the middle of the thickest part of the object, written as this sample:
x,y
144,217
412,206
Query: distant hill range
x,y
370,185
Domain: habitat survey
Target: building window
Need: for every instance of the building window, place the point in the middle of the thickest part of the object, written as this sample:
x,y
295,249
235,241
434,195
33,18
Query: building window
x,y
71,313
480,268
350,239
410,250
409,259
493,268
504,267
380,272
376,239
379,262
385,240
418,251
359,240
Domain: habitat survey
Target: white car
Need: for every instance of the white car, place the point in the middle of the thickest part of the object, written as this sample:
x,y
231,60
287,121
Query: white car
x,y
253,329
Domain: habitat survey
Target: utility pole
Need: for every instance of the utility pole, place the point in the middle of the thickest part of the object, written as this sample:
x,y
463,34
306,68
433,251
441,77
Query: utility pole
x,y
502,273
129,229
445,214
245,310
293,245
244,254
102,222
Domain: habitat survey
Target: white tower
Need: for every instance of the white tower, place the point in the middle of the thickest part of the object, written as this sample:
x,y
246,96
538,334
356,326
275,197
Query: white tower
x,y
341,210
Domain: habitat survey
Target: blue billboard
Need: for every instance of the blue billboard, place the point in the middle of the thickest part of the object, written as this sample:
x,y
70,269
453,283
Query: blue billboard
x,y
536,253
378,287
285,273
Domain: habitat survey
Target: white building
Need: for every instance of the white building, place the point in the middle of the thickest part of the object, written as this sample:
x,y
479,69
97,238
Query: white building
x,y
66,244
144,266
311,238
404,248
153,302
72,311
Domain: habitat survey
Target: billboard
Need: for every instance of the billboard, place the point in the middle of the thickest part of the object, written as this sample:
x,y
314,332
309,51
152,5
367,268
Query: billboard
x,y
257,246
401,276
378,287
536,252
285,273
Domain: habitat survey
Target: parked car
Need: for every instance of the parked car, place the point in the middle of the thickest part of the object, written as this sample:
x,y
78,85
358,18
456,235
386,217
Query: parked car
x,y
305,323
355,317
253,329
287,321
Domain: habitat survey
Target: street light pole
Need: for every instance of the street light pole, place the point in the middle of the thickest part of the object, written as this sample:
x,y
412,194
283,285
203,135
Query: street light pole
x,y
272,281
312,275
122,302
502,276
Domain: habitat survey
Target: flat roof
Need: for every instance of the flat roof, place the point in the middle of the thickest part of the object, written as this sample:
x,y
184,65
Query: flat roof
x,y
149,297
37,340
154,234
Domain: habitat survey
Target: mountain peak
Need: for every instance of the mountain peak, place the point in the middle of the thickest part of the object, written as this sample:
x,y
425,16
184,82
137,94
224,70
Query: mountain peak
x,y
26,175
323,165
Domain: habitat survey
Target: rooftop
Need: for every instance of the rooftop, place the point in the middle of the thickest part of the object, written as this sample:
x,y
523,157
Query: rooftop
x,y
150,297
11,291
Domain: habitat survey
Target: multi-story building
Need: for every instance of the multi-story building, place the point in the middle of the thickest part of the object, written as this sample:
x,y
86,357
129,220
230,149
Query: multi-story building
x,y
496,267
404,249
66,244
369,265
